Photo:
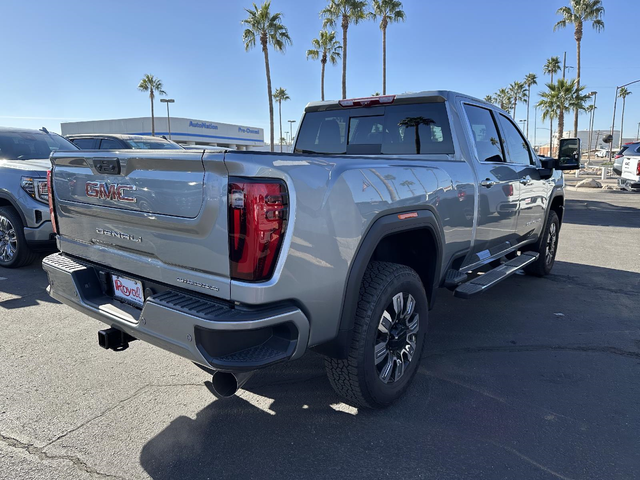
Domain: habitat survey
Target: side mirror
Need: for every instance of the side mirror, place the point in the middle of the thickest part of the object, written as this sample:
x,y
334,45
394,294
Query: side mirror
x,y
569,154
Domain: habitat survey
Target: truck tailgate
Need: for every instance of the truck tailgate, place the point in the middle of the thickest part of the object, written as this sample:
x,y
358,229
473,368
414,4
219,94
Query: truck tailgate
x,y
157,214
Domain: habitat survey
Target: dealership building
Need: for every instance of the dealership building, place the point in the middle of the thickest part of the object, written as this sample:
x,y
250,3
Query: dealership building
x,y
181,130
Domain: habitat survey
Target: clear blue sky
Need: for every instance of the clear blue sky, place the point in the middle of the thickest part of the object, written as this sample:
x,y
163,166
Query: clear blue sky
x,y
82,60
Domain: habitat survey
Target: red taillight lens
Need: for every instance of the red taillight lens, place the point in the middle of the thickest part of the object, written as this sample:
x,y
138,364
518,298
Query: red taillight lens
x,y
257,219
52,211
508,190
638,168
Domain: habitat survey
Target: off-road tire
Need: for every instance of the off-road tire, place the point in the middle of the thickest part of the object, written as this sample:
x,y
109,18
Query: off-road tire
x,y
543,265
23,254
356,378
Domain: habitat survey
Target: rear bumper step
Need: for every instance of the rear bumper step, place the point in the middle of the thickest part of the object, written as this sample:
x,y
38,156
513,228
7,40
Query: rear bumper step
x,y
210,333
492,277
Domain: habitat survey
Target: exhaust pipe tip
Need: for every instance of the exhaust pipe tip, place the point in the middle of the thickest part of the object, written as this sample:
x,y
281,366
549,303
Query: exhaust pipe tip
x,y
226,384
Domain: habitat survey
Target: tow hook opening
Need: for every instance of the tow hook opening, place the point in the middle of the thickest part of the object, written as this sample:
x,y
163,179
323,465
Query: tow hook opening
x,y
114,339
226,384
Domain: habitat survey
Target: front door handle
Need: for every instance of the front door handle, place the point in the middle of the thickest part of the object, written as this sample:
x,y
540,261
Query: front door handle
x,y
487,183
526,180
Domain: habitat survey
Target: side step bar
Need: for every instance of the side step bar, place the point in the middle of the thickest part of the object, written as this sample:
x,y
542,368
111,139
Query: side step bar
x,y
492,277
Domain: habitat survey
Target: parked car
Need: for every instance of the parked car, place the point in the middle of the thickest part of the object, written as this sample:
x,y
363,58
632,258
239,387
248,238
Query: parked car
x,y
617,159
629,166
25,225
338,247
121,142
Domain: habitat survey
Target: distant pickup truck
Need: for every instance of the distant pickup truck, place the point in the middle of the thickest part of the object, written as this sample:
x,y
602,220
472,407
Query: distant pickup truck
x,y
241,260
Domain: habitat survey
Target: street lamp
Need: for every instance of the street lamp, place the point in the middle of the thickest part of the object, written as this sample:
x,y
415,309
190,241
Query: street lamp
x,y
593,94
168,101
291,122
613,122
523,124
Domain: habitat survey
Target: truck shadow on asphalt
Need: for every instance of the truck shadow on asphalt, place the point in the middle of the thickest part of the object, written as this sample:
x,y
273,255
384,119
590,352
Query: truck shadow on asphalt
x,y
495,392
24,287
604,214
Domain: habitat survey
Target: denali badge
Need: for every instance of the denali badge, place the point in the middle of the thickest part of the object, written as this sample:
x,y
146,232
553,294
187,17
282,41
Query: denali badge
x,y
123,236
114,191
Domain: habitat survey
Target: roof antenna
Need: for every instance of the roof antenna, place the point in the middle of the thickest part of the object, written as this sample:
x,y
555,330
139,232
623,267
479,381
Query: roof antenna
x,y
44,130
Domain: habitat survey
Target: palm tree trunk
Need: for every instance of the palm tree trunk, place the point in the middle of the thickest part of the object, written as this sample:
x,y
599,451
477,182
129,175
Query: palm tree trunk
x,y
551,129
560,124
280,114
575,118
384,61
266,65
345,27
153,122
515,104
322,81
624,101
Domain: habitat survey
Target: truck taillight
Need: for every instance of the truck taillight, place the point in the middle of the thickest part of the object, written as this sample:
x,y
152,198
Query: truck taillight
x,y
52,211
638,168
257,219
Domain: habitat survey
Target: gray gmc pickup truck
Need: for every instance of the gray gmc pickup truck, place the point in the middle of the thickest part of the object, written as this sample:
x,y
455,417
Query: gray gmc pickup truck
x,y
240,260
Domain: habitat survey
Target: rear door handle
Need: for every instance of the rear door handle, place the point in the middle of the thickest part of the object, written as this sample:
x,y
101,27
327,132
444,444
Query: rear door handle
x,y
487,183
526,180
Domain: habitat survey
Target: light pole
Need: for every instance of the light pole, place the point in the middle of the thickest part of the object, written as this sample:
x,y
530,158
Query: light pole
x,y
535,125
613,122
168,101
638,134
522,123
291,122
593,94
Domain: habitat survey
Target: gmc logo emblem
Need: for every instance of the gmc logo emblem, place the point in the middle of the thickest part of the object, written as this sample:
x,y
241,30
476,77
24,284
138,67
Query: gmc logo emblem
x,y
114,191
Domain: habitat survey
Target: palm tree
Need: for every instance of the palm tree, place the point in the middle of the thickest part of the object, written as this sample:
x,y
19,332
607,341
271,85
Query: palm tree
x,y
280,96
623,93
347,12
518,92
551,68
268,29
560,97
504,99
326,48
577,14
529,80
389,11
489,99
415,122
153,85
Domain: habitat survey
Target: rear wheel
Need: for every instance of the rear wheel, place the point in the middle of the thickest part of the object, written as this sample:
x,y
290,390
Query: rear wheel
x,y
548,247
14,251
388,337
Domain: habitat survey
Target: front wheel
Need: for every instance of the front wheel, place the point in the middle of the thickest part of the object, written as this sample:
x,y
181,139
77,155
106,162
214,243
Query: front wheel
x,y
14,251
548,247
388,337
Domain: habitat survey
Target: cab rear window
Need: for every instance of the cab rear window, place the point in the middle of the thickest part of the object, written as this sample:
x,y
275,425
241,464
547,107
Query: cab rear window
x,y
415,129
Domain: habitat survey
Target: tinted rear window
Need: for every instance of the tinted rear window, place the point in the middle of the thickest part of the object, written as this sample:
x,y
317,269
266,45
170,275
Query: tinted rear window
x,y
31,145
391,130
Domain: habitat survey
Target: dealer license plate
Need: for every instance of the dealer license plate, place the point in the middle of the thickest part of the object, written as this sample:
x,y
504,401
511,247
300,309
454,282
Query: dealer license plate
x,y
128,290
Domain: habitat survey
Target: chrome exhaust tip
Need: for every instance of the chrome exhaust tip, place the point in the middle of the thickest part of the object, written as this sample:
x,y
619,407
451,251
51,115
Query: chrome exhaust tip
x,y
226,384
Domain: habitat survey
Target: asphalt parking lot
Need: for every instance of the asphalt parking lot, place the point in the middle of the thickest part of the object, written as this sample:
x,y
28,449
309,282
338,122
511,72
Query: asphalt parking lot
x,y
537,378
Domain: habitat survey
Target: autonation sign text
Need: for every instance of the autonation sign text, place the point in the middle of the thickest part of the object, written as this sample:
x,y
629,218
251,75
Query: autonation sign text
x,y
210,126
